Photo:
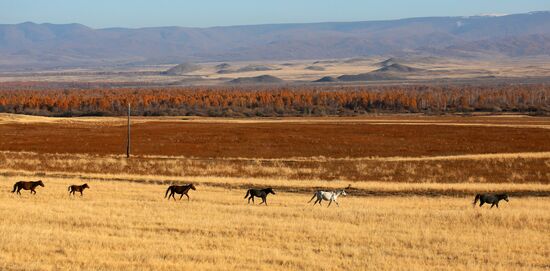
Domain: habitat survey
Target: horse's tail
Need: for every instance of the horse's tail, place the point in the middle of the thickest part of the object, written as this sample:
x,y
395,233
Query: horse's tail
x,y
167,190
476,199
247,193
15,187
314,195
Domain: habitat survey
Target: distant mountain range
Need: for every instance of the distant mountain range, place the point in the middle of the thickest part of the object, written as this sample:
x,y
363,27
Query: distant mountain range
x,y
50,45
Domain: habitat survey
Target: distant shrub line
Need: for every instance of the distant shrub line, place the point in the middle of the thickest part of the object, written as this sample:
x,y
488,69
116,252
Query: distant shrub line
x,y
63,100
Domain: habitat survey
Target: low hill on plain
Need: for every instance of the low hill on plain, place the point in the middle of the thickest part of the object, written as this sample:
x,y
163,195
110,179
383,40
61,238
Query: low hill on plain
x,y
262,79
326,79
182,69
387,62
397,68
369,76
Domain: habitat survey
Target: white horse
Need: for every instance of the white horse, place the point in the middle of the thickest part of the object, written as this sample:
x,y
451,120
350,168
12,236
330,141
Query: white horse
x,y
329,196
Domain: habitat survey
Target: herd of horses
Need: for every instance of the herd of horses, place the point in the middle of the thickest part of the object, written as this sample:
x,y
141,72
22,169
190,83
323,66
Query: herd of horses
x,y
319,195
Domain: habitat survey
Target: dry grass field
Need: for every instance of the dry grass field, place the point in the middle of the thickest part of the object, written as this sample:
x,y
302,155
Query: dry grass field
x,y
409,206
122,226
518,168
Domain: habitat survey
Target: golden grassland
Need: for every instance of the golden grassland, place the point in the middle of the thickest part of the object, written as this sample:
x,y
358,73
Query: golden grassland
x,y
403,212
516,168
488,119
122,226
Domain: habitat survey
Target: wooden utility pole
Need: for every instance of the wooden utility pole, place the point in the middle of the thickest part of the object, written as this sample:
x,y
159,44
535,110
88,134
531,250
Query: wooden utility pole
x,y
128,141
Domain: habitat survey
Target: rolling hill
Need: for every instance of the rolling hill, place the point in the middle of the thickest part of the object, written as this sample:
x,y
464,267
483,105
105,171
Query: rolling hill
x,y
262,79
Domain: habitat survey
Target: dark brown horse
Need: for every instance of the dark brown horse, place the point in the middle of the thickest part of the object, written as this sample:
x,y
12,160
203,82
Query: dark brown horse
x,y
77,188
260,193
27,186
179,189
490,198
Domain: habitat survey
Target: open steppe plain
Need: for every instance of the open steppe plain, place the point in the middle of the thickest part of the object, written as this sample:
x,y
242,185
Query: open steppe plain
x,y
433,69
412,179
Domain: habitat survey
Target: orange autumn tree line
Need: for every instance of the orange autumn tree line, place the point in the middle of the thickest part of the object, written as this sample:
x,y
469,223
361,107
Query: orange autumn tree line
x,y
271,100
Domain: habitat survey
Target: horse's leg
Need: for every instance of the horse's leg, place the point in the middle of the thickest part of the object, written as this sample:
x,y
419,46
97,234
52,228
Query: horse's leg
x,y
492,205
252,199
329,202
336,203
497,204
19,190
264,200
181,196
172,195
33,192
481,202
81,193
187,196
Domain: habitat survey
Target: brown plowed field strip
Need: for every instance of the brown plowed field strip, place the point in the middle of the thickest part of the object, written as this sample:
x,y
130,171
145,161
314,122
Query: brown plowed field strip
x,y
274,139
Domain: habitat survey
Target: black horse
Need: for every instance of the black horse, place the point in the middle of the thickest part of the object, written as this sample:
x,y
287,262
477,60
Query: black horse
x,y
490,198
260,193
27,186
179,189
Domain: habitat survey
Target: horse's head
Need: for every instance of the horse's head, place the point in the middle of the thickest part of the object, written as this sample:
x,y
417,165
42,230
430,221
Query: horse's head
x,y
503,196
270,190
192,187
40,183
85,186
344,190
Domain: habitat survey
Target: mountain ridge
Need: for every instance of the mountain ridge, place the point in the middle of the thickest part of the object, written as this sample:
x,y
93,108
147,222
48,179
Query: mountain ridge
x,y
48,45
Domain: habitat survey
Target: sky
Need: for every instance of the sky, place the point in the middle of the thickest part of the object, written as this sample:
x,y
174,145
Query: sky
x,y
207,13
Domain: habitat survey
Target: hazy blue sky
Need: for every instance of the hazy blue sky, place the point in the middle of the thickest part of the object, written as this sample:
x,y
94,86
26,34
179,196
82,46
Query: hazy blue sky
x,y
203,13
